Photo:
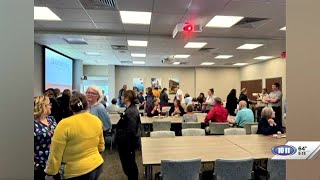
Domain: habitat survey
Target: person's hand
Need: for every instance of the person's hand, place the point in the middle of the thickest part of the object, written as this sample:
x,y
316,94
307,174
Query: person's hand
x,y
271,122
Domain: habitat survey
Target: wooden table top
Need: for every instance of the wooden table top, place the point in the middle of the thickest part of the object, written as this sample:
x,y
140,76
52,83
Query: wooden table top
x,y
258,145
208,148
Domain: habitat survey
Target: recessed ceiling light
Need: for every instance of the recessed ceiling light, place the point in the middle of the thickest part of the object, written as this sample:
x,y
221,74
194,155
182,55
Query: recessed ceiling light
x,y
224,21
137,55
207,63
283,29
176,63
92,53
223,56
44,13
240,64
249,46
138,43
195,44
135,17
181,56
264,57
138,62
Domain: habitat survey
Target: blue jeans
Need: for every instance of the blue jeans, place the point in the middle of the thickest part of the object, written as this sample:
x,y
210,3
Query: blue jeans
x,y
93,175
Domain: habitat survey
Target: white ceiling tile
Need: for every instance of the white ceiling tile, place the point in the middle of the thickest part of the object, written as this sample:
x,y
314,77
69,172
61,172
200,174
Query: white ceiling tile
x,y
104,16
135,5
81,25
78,15
67,4
96,41
54,24
114,27
130,28
170,6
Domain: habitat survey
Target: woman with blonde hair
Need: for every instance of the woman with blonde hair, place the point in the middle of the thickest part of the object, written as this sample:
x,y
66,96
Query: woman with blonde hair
x,y
44,127
267,125
94,96
243,97
77,144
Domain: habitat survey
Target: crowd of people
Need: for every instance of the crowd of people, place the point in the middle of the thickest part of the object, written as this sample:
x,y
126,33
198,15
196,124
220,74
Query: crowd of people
x,y
70,131
70,127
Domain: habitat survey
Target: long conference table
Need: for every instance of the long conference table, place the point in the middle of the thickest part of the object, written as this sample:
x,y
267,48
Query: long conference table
x,y
208,148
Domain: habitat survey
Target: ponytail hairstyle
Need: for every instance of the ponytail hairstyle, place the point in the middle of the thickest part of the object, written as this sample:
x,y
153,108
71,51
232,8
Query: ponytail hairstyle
x,y
78,102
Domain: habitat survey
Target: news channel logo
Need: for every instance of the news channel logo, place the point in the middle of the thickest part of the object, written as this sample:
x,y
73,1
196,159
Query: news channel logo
x,y
297,150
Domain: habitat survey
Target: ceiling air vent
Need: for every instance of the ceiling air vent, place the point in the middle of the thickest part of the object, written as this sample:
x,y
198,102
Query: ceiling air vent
x,y
99,4
119,47
208,49
251,22
75,40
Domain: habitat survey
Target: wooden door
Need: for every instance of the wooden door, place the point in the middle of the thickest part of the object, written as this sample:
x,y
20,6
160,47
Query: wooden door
x,y
253,86
270,81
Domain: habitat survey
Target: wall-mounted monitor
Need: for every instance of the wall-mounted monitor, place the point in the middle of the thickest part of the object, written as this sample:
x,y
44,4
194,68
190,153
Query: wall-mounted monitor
x,y
58,70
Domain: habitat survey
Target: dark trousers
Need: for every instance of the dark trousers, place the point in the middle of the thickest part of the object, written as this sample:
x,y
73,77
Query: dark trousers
x,y
126,149
93,175
278,114
39,174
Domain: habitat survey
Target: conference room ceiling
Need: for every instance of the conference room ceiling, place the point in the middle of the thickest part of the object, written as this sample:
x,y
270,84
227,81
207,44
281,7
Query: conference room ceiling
x,y
103,28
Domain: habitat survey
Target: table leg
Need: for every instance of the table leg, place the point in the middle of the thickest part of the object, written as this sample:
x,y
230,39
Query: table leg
x,y
148,172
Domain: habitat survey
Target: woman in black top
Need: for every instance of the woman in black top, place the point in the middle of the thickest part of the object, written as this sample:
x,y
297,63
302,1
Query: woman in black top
x,y
267,125
128,134
201,99
232,102
243,97
155,109
65,104
164,99
176,109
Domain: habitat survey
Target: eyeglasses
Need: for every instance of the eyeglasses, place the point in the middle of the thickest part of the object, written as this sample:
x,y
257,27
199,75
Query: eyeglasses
x,y
91,93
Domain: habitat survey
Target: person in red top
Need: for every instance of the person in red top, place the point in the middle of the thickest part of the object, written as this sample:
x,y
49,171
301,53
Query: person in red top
x,y
218,113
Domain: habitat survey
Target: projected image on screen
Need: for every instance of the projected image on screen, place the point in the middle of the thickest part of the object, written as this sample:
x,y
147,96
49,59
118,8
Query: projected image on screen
x,y
58,71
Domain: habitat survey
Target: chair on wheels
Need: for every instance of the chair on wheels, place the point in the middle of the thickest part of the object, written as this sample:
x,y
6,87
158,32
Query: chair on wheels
x,y
240,169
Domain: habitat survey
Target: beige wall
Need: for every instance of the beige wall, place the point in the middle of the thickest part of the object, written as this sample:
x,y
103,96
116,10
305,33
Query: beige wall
x,y
124,75
268,69
192,80
38,75
221,79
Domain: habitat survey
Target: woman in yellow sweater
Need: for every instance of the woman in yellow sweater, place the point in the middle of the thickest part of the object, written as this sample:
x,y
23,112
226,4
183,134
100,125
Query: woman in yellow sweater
x,y
77,144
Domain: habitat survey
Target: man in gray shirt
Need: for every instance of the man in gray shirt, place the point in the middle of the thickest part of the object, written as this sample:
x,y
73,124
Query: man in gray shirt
x,y
275,101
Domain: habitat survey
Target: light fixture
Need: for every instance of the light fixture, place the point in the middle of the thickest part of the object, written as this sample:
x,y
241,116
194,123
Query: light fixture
x,y
138,43
207,63
264,57
240,64
137,55
135,17
138,62
92,53
283,29
176,63
181,56
249,46
224,21
44,13
195,44
223,56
